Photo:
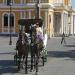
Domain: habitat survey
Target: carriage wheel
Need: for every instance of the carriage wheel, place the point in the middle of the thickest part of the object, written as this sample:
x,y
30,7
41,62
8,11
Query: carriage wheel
x,y
42,60
45,58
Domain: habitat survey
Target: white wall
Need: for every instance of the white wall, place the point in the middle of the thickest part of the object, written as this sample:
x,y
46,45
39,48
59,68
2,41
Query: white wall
x,y
73,23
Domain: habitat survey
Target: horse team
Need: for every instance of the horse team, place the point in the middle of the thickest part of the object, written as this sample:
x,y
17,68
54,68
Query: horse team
x,y
29,43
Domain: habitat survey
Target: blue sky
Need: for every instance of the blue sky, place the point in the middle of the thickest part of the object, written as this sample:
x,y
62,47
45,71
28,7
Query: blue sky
x,y
73,3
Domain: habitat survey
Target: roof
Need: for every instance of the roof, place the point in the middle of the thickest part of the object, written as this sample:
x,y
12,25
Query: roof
x,y
28,22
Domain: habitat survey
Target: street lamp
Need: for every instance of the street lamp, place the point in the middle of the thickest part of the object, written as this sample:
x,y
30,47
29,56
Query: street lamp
x,y
37,9
10,42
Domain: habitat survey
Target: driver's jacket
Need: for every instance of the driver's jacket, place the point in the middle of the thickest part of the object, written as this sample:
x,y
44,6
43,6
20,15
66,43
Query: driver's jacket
x,y
39,33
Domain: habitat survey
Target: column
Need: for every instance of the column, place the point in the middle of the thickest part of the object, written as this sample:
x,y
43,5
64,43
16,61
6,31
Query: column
x,y
46,27
2,23
14,24
8,23
72,22
62,24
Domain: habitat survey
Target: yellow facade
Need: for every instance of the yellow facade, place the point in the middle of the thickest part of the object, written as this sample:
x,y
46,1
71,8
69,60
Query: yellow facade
x,y
1,1
48,12
17,1
67,1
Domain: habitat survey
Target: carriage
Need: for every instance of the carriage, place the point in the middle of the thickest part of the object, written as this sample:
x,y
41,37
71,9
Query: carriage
x,y
29,27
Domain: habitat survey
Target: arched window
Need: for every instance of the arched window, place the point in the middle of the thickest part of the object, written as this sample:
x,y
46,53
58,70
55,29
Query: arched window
x,y
6,20
7,2
12,20
23,1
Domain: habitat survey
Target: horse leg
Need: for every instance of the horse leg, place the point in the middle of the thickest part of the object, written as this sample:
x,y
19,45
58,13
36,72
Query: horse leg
x,y
16,57
42,60
23,62
19,61
37,58
31,62
34,61
26,64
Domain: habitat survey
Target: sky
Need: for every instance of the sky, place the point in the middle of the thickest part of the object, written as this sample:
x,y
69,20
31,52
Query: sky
x,y
73,3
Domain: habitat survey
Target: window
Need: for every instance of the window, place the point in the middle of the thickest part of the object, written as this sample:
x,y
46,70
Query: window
x,y
7,2
23,14
5,20
23,1
12,20
34,1
4,1
43,1
58,1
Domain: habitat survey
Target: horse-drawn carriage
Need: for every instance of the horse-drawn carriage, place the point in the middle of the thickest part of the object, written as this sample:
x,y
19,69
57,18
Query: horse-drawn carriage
x,y
30,42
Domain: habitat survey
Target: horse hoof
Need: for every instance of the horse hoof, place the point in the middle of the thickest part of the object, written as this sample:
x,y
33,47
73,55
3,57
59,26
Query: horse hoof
x,y
36,73
26,72
18,70
30,70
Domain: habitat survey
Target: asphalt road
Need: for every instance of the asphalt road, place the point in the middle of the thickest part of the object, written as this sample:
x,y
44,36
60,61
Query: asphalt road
x,y
61,58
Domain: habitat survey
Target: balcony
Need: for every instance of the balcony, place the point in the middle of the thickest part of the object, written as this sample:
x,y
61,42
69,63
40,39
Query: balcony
x,y
41,1
14,5
62,5
58,4
28,5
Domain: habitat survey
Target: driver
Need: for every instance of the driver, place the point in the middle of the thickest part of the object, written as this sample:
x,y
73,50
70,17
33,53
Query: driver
x,y
39,31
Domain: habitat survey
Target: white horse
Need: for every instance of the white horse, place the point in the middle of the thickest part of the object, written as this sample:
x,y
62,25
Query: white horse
x,y
44,51
43,37
45,40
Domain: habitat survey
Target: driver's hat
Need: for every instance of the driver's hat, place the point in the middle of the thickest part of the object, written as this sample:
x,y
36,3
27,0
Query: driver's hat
x,y
37,23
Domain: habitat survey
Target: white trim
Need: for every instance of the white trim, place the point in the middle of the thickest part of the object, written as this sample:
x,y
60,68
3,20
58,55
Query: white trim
x,y
29,14
22,10
28,5
17,10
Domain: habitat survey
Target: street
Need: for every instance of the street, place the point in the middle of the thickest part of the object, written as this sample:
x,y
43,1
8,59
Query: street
x,y
61,57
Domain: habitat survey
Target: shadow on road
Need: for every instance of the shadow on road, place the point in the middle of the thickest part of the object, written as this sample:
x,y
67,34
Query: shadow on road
x,y
60,54
6,53
7,66
69,45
